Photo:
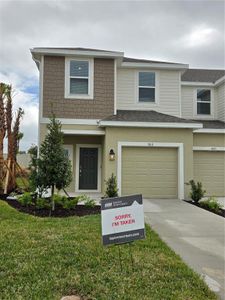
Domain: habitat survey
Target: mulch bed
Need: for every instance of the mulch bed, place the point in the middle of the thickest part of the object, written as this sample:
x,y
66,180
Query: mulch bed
x,y
80,210
220,213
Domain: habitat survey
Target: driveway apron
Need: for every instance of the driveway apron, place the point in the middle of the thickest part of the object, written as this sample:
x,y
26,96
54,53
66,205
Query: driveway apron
x,y
193,233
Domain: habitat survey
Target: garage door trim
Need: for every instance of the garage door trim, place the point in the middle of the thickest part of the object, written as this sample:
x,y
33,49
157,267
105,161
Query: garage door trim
x,y
209,148
180,148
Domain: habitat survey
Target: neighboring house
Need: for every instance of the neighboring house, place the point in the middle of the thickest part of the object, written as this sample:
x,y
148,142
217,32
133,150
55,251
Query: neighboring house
x,y
156,125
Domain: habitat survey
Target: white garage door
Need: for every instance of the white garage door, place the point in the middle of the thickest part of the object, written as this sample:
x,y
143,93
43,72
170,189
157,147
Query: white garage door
x,y
152,172
209,168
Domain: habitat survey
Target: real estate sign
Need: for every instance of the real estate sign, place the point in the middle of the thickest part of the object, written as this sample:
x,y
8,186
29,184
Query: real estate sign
x,y
122,219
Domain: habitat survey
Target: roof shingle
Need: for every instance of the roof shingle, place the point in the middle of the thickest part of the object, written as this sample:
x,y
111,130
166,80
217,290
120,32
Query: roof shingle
x,y
202,75
213,124
145,116
140,60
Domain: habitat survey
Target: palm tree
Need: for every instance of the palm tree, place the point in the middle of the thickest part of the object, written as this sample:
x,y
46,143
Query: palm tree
x,y
13,136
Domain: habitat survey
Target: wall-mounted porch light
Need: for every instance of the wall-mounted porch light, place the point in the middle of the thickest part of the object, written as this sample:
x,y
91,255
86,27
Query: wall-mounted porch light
x,y
112,155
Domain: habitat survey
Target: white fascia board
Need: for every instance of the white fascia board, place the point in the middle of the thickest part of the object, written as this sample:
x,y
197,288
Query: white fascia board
x,y
154,65
149,124
209,130
210,84
72,121
61,52
191,83
219,81
83,132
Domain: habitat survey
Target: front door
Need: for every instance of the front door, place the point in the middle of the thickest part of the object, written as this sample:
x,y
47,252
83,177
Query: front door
x,y
88,169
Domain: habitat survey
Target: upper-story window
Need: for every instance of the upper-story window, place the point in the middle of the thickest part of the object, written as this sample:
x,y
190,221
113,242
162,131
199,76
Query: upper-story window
x,y
203,102
79,79
146,86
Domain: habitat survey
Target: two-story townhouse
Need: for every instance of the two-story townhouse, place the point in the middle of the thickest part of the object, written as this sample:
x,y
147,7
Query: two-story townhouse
x,y
156,125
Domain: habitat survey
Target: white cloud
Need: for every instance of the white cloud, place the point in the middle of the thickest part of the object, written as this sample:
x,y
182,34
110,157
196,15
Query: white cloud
x,y
180,31
200,36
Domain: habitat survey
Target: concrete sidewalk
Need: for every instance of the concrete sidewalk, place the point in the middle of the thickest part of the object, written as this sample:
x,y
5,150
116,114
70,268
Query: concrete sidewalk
x,y
195,234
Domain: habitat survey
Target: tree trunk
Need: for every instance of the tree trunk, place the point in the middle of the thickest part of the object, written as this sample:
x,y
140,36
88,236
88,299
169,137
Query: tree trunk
x,y
53,201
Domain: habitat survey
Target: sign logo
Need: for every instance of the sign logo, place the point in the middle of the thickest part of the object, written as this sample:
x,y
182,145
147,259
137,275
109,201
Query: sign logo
x,y
122,219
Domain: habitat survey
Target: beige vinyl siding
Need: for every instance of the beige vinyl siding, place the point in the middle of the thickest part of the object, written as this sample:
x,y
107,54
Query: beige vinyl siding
x,y
187,101
167,91
209,168
208,140
151,172
220,99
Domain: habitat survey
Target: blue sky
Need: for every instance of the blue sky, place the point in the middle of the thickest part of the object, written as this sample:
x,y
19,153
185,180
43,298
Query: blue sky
x,y
32,89
182,31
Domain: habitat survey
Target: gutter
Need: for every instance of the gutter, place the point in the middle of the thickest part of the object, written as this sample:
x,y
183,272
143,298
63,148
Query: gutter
x,y
150,124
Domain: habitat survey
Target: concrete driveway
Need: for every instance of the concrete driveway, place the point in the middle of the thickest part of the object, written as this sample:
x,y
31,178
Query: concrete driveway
x,y
195,234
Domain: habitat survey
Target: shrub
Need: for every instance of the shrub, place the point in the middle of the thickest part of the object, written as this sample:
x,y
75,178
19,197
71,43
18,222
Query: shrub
x,y
197,192
111,187
70,203
211,204
42,203
89,202
82,198
65,202
59,199
25,199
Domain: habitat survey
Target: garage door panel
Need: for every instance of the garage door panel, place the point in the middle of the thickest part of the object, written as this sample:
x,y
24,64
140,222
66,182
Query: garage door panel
x,y
149,171
209,168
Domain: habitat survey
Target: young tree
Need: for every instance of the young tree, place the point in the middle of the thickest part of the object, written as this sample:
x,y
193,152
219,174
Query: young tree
x,y
2,130
111,187
54,167
33,167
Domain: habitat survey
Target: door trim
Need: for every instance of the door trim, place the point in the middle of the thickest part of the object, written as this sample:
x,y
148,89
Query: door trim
x,y
180,148
99,147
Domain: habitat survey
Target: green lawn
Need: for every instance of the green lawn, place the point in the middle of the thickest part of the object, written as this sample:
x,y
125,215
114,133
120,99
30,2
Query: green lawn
x,y
48,258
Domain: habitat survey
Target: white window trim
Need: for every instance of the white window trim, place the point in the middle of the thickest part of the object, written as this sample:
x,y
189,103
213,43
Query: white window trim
x,y
195,103
99,147
90,95
156,102
180,148
70,151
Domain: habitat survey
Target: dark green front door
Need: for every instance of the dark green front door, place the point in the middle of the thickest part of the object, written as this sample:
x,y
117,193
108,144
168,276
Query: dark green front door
x,y
88,169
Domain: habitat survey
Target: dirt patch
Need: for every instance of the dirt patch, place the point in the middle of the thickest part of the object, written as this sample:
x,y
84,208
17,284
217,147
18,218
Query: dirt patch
x,y
220,213
80,210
